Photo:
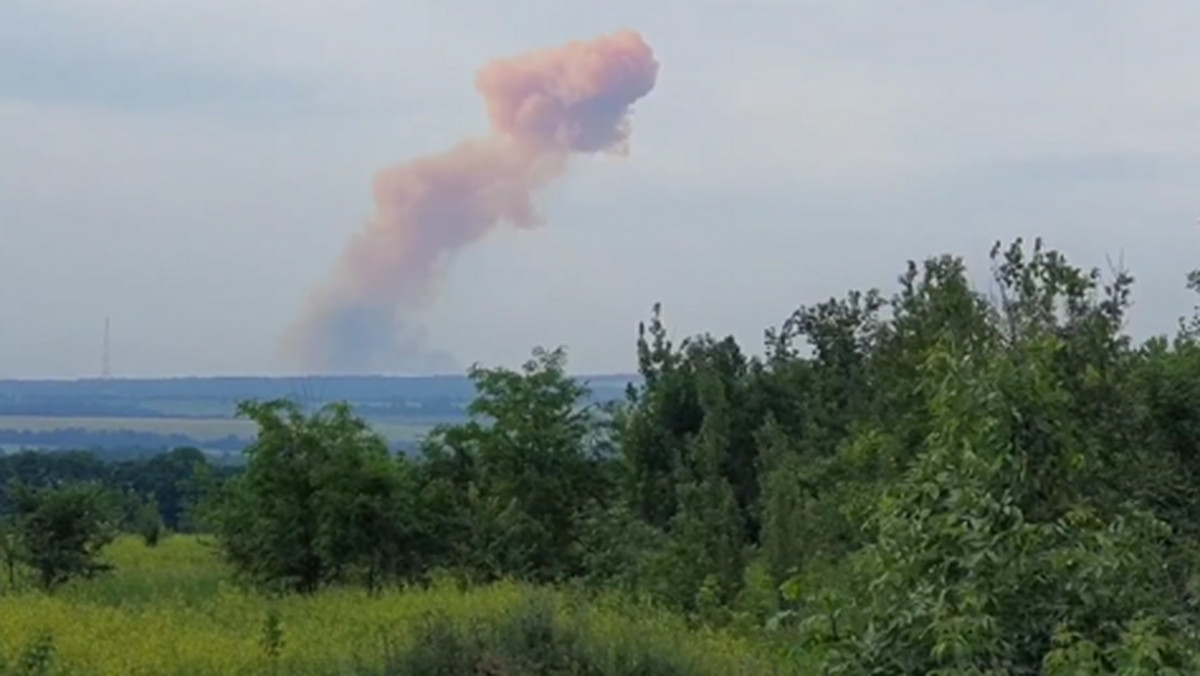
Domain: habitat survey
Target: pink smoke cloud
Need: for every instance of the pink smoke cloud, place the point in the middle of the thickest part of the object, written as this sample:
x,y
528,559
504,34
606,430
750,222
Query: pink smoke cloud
x,y
543,106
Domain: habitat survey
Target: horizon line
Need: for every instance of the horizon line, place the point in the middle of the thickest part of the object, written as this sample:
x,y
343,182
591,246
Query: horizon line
x,y
361,376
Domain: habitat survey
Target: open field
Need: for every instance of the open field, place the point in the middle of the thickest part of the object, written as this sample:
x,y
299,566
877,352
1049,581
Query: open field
x,y
200,428
425,399
172,610
197,428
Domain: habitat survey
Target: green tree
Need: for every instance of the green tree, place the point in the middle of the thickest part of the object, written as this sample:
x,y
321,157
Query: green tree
x,y
1020,528
61,530
521,474
661,419
783,501
321,500
169,478
706,549
10,551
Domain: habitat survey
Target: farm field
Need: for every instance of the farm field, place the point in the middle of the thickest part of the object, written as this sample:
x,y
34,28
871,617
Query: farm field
x,y
203,428
174,610
196,428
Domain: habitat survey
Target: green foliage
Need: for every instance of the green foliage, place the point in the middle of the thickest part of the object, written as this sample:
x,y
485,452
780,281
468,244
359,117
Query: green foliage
x,y
321,501
179,482
532,638
783,492
620,551
37,659
134,622
149,523
272,634
759,600
1003,483
59,532
519,478
705,550
1019,537
10,550
937,481
658,428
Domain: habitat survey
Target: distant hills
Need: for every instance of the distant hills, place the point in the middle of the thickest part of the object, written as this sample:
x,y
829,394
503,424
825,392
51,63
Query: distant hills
x,y
155,414
202,397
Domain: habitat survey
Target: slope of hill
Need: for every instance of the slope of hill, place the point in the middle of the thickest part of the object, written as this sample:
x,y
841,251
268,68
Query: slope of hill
x,y
155,414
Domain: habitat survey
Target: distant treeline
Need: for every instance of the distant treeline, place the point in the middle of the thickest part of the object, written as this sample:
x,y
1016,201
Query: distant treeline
x,y
232,389
123,444
61,407
440,409
350,388
434,398
145,442
176,482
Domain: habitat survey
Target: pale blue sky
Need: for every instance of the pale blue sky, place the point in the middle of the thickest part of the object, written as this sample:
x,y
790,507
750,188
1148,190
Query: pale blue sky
x,y
191,167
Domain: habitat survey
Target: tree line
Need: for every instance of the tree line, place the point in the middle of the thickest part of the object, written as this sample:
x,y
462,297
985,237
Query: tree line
x,y
939,480
60,509
117,441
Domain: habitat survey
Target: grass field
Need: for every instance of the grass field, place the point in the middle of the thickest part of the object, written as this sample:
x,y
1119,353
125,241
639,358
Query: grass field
x,y
200,428
197,428
172,610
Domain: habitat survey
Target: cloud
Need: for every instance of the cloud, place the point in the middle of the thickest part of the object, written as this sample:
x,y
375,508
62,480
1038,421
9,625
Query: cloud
x,y
253,56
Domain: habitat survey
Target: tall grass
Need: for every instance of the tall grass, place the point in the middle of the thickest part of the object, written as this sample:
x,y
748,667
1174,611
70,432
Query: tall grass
x,y
170,610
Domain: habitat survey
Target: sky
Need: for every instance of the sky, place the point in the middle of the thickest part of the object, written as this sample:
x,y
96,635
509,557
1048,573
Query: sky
x,y
192,168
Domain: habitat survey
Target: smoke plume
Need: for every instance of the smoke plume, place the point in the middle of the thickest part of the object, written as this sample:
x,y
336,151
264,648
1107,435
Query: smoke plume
x,y
543,107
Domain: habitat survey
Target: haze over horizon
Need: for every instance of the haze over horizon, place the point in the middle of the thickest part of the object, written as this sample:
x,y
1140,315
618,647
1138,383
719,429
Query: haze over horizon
x,y
192,169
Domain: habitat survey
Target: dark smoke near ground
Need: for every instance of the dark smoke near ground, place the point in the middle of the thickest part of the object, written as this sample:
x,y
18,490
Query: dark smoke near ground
x,y
544,106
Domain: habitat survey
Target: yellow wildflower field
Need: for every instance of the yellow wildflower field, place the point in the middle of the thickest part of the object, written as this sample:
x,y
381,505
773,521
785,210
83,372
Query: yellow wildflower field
x,y
172,609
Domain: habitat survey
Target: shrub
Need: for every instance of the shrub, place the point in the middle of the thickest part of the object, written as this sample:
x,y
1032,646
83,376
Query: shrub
x,y
532,638
149,523
61,530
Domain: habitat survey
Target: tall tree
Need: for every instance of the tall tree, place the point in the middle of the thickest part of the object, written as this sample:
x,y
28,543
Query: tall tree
x,y
524,468
320,500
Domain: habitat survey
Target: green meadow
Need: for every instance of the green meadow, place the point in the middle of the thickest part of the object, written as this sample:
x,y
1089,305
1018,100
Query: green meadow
x,y
174,609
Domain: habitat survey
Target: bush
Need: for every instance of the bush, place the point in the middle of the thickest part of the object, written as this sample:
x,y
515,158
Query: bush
x,y
38,657
321,501
60,531
533,638
149,523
